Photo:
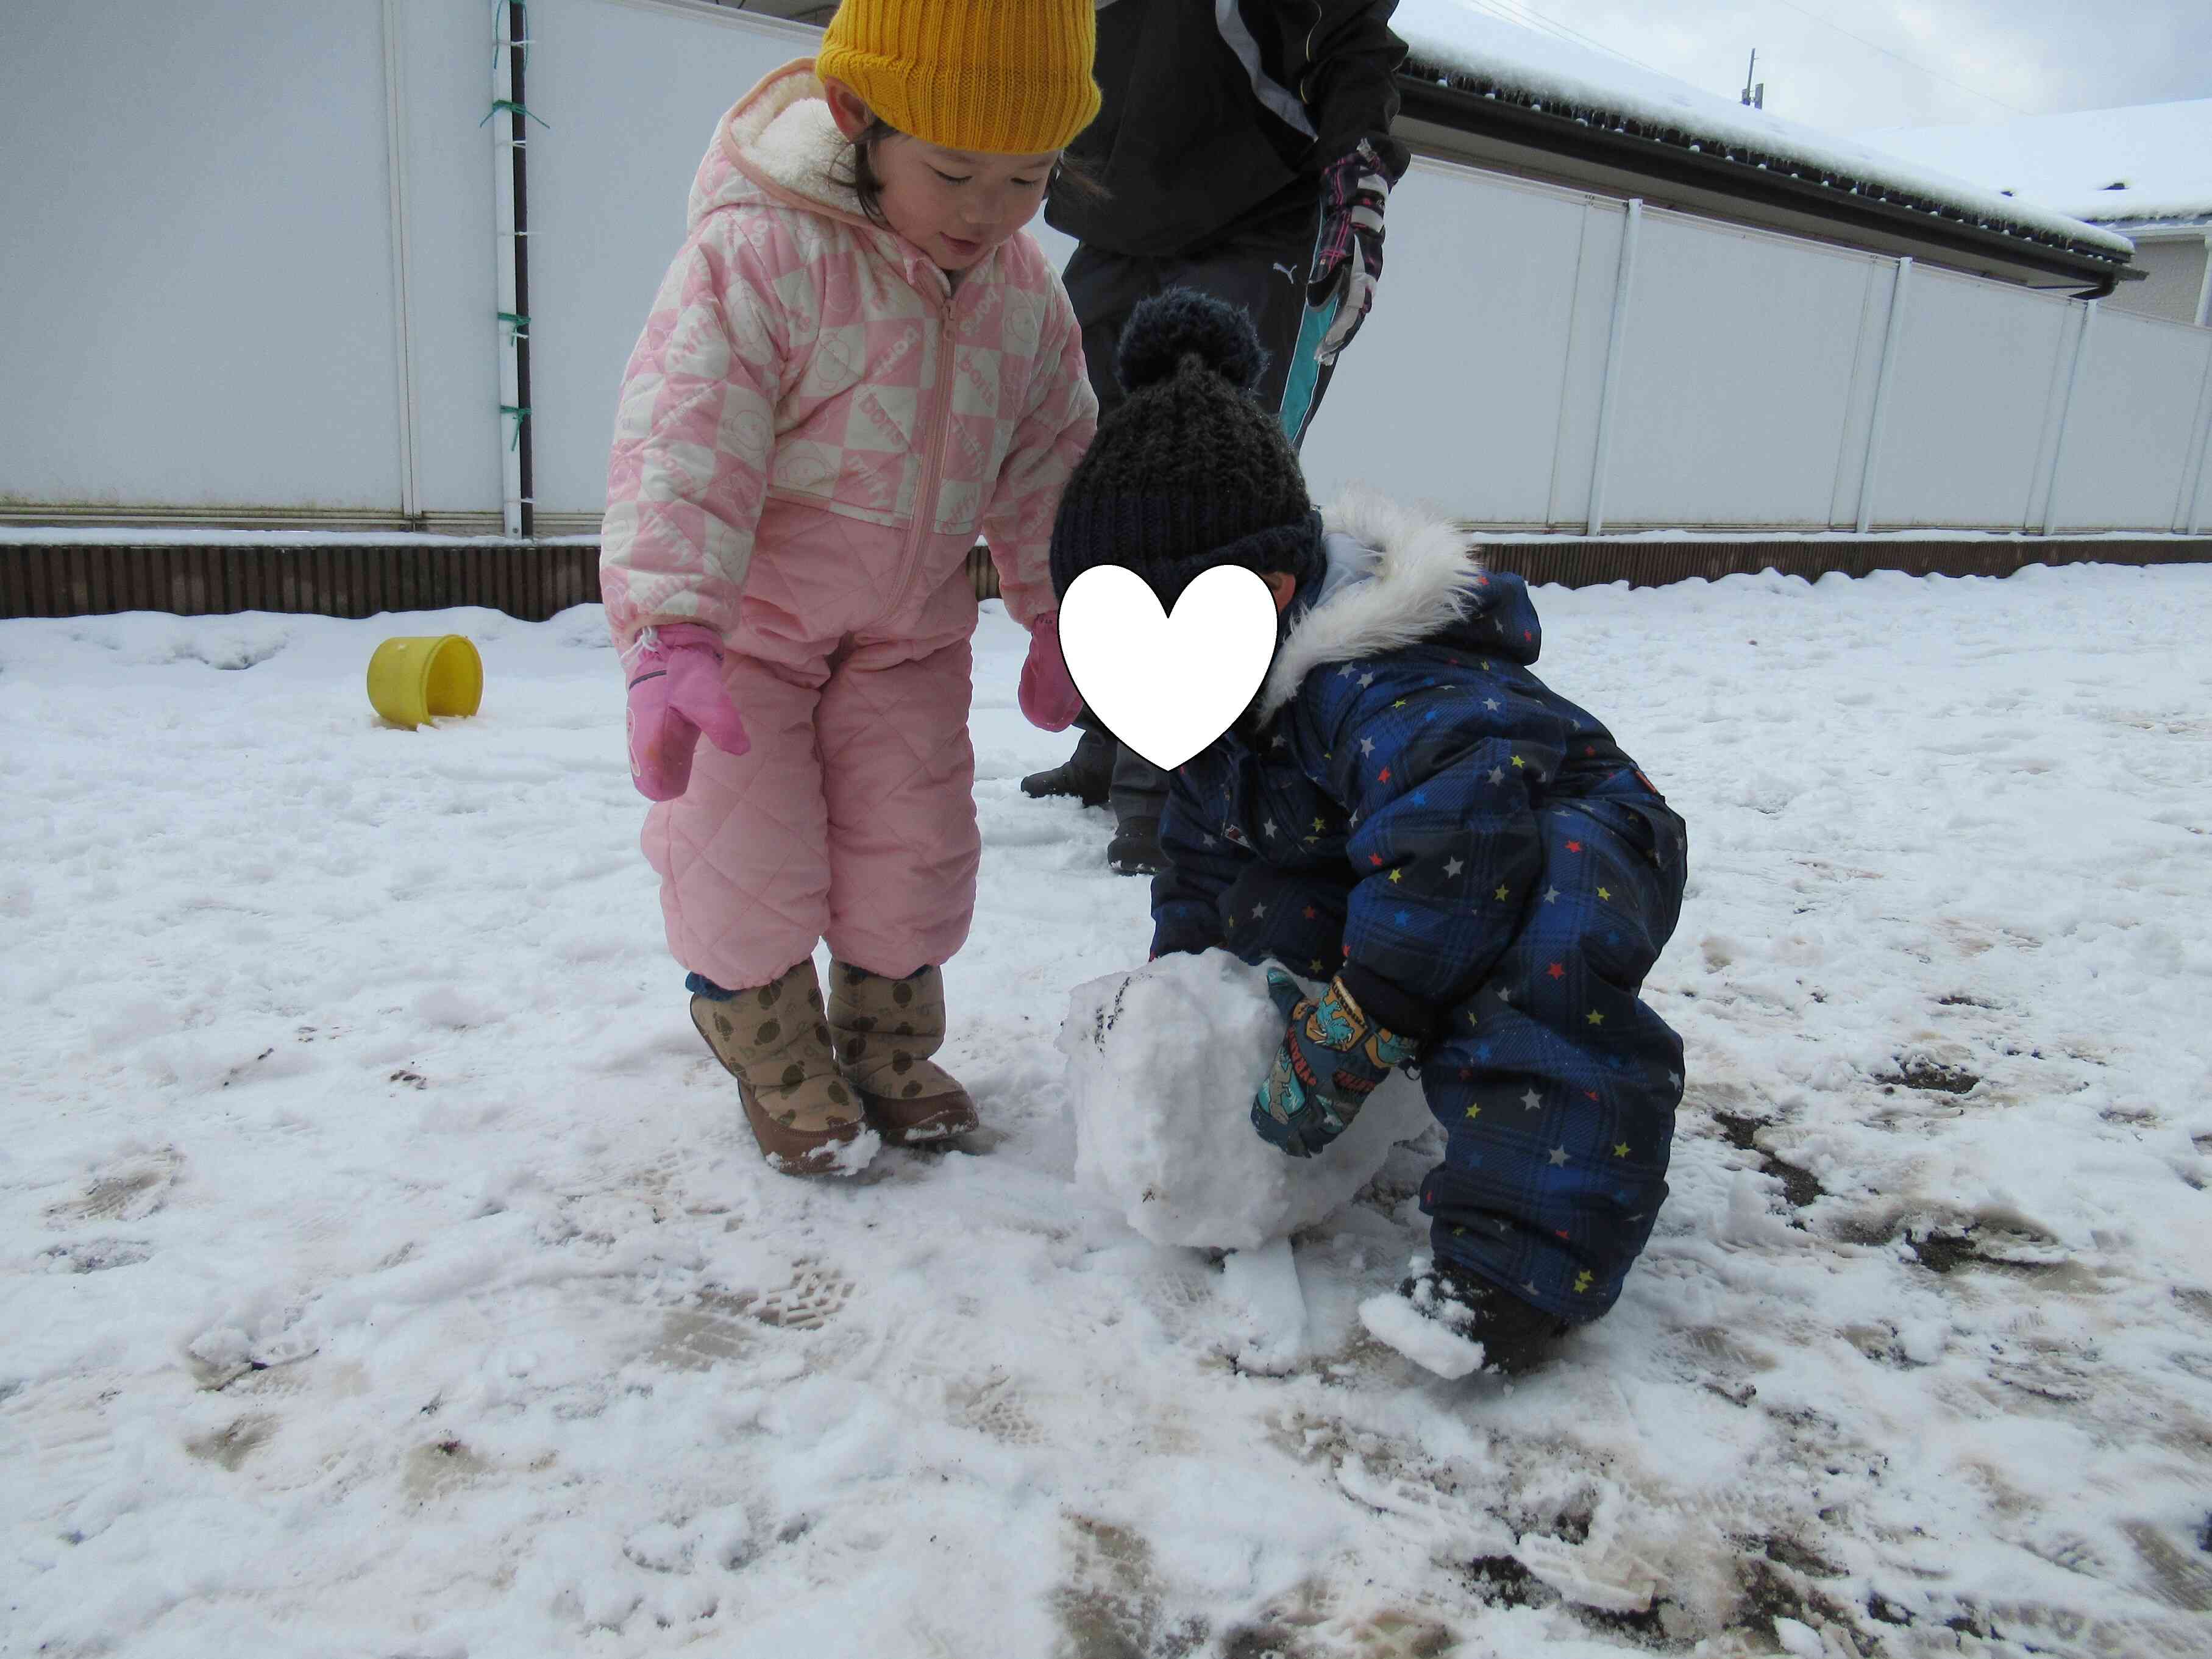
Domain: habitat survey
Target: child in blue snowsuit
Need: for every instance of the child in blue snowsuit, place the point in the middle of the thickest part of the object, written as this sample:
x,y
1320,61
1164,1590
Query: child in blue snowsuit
x,y
1471,866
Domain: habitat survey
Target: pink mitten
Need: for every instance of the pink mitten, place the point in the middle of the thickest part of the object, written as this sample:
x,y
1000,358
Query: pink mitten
x,y
1048,697
675,693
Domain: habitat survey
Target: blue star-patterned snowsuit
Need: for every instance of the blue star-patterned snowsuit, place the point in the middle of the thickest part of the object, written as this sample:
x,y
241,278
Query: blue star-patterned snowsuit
x,y
1487,868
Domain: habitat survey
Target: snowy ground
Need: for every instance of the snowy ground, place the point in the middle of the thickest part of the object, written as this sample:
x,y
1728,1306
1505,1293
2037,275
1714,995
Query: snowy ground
x,y
388,1272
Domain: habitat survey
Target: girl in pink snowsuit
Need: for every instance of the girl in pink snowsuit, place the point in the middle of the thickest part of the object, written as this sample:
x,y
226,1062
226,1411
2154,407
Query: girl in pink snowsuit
x,y
856,364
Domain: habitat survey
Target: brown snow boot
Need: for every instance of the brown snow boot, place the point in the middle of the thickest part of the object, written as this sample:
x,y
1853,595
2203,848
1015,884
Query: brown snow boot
x,y
886,1031
774,1041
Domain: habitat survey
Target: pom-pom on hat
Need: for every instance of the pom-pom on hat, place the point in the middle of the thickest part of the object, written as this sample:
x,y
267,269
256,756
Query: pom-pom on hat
x,y
1189,471
1012,77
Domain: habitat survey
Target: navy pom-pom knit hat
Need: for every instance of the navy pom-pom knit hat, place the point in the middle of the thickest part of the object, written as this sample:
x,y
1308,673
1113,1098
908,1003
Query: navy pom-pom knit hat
x,y
1189,471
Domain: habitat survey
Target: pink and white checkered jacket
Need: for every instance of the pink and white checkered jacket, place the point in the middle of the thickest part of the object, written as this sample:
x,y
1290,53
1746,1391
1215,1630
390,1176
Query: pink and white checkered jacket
x,y
801,362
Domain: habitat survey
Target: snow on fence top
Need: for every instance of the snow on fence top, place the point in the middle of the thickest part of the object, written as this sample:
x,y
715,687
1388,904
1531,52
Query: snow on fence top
x,y
1455,45
2152,161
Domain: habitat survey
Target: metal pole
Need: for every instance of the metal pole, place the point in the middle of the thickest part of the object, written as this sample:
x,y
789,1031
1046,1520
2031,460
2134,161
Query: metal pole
x,y
517,53
2193,459
1607,392
505,435
2066,412
2203,483
396,147
1881,380
2188,513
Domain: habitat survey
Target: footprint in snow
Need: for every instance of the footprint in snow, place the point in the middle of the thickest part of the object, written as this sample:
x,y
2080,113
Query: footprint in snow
x,y
721,1324
1309,1624
229,1446
712,1332
130,1189
816,1293
1113,1603
994,1408
2179,1579
95,1255
442,1466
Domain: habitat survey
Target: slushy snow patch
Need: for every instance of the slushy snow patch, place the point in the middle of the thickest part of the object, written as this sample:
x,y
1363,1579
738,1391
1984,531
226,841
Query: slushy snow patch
x,y
1162,1065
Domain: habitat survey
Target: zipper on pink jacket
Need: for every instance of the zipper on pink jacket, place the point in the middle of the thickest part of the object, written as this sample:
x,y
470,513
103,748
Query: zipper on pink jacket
x,y
932,464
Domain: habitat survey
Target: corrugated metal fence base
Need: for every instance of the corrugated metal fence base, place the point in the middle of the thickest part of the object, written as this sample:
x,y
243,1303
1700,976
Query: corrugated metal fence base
x,y
533,581
525,580
1654,564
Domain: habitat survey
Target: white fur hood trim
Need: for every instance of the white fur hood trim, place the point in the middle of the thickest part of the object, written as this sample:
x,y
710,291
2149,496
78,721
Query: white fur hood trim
x,y
1420,579
778,141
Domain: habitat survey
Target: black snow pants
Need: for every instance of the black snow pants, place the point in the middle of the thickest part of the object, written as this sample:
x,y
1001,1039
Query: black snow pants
x,y
1263,266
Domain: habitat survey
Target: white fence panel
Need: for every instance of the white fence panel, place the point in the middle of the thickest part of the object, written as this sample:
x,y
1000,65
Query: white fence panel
x,y
454,296
1971,399
633,93
1453,392
2129,437
1880,319
1589,349
2195,513
223,293
197,262
1735,378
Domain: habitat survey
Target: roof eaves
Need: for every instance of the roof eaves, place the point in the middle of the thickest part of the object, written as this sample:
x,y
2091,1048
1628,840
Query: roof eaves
x,y
1452,97
2130,225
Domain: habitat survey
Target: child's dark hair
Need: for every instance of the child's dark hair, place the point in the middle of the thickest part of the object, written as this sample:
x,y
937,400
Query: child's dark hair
x,y
1067,173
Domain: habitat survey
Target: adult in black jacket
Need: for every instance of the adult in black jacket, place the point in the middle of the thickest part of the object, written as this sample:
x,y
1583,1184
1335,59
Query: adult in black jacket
x,y
1244,150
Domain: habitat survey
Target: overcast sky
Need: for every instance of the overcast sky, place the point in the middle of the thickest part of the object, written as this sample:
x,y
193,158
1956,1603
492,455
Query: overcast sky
x,y
1953,60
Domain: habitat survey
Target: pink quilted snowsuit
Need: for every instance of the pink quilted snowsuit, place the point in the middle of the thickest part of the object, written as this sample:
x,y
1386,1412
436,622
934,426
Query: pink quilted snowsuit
x,y
813,429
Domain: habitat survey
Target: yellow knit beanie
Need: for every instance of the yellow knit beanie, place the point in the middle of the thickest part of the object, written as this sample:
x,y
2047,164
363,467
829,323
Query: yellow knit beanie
x,y
1009,76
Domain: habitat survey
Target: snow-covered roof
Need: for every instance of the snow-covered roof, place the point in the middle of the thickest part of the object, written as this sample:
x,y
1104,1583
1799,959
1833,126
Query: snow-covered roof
x,y
2150,161
1451,40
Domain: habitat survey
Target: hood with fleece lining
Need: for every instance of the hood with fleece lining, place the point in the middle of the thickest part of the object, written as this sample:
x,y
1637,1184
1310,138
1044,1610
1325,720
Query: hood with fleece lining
x,y
1396,578
778,145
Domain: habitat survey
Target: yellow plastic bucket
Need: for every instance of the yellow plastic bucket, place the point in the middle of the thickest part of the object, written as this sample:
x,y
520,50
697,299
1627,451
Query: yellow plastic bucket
x,y
413,680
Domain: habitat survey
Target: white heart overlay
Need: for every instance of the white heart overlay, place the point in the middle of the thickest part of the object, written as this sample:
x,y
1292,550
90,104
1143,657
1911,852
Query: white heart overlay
x,y
1167,686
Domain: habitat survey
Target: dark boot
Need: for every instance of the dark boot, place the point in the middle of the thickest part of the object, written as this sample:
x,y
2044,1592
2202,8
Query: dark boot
x,y
1452,1321
1086,774
1139,796
1136,848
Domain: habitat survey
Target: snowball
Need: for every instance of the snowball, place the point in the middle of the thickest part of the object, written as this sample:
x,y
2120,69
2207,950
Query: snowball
x,y
1428,1343
222,1347
1923,1340
1161,1065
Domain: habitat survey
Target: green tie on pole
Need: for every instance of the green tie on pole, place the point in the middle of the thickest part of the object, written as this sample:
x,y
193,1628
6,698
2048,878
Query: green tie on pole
x,y
513,108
